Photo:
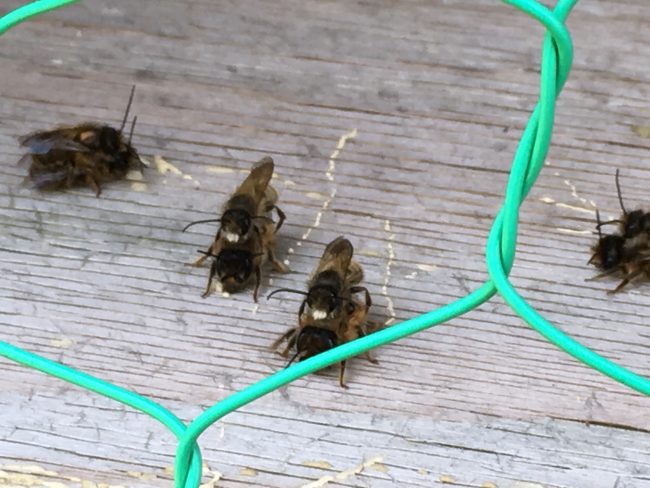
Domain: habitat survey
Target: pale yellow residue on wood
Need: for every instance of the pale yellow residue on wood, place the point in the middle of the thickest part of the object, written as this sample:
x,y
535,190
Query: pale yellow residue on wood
x,y
573,231
317,464
390,306
343,475
314,195
136,186
641,130
329,174
447,479
248,472
164,167
369,252
134,175
63,343
427,267
590,211
28,475
220,170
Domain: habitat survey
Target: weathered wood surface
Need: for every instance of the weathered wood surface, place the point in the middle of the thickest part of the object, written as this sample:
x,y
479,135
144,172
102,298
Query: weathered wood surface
x,y
434,96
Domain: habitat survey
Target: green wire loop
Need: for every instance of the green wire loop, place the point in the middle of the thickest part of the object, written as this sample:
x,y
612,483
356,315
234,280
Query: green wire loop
x,y
30,10
557,57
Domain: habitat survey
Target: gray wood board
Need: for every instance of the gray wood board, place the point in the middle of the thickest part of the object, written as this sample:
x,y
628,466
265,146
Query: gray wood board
x,y
436,95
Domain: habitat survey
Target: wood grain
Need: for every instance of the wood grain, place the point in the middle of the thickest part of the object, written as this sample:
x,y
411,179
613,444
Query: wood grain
x,y
438,93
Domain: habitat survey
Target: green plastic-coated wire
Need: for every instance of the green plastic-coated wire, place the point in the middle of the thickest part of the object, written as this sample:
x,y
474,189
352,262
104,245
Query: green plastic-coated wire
x,y
557,56
30,10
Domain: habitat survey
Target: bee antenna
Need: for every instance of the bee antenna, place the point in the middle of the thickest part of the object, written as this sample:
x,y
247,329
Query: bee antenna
x,y
295,356
620,197
290,290
135,119
128,107
600,233
200,222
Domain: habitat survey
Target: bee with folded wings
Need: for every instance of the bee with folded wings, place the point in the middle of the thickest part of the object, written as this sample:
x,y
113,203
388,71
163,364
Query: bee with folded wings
x,y
87,154
330,314
246,237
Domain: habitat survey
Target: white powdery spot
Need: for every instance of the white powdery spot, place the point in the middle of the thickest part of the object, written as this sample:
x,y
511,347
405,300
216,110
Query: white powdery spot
x,y
139,186
572,231
319,314
134,175
427,267
231,237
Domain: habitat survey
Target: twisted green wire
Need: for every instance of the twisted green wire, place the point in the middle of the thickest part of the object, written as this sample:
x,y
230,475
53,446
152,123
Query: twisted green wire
x,y
529,158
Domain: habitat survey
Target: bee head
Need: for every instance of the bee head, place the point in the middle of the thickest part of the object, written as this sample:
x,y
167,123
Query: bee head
x,y
234,268
634,223
314,340
610,250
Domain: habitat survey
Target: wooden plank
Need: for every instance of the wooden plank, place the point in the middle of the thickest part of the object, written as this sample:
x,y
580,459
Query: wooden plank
x,y
438,93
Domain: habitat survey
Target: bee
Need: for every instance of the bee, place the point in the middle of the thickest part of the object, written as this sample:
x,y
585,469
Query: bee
x,y
86,154
616,254
246,237
334,314
632,225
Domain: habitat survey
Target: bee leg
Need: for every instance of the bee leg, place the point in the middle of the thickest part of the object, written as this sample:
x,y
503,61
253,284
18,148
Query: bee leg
x,y
281,339
301,313
278,265
603,275
625,281
368,354
199,261
359,289
258,280
94,184
342,374
290,345
281,218
212,250
208,289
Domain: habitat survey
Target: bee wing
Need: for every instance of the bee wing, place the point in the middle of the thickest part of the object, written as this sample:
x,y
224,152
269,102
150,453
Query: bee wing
x,y
44,142
46,179
258,180
25,159
337,256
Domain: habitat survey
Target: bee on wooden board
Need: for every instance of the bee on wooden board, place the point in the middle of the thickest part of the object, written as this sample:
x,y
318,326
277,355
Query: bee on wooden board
x,y
88,154
632,225
330,314
615,254
246,237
